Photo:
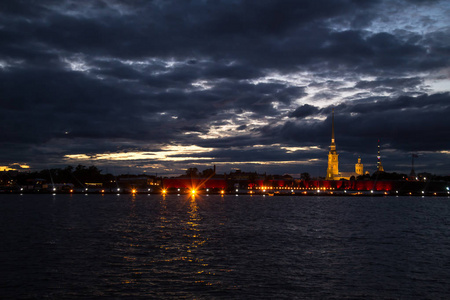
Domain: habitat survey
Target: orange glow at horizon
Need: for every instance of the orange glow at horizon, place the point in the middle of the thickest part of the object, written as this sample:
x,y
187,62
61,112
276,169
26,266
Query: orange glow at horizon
x,y
167,153
8,168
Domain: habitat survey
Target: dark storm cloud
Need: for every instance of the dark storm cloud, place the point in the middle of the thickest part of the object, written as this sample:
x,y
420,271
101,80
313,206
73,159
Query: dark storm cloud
x,y
106,76
304,111
377,54
398,83
427,104
405,123
243,31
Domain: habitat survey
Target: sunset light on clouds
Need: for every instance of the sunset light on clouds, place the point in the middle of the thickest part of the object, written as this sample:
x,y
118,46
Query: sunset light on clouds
x,y
240,84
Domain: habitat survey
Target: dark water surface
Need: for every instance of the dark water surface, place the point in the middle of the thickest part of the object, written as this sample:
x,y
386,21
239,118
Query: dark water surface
x,y
232,247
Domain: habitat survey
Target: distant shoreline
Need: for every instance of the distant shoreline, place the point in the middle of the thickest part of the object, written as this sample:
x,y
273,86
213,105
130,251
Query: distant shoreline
x,y
345,193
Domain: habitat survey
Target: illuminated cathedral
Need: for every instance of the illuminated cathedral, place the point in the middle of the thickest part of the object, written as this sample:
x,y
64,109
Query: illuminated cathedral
x,y
333,161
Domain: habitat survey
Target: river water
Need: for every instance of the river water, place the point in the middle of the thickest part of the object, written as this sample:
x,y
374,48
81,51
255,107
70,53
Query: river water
x,y
231,247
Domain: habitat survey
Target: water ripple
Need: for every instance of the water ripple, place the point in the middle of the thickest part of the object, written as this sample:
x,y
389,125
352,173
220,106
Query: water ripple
x,y
224,247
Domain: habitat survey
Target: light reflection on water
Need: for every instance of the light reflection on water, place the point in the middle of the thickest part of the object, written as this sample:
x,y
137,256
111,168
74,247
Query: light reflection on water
x,y
224,247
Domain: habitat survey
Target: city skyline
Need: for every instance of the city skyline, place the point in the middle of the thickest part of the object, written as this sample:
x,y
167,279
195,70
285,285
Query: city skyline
x,y
159,87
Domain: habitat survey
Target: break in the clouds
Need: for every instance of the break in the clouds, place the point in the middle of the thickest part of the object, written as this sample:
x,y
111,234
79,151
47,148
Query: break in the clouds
x,y
160,86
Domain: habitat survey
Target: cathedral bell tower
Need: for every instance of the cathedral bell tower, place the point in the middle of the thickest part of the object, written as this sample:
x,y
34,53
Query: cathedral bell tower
x,y
359,167
333,169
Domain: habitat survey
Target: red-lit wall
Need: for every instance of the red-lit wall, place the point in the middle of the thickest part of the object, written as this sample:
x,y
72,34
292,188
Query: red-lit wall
x,y
198,183
357,185
336,184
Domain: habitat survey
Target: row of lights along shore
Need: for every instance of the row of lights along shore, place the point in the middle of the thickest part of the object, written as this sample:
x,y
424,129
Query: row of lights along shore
x,y
222,192
262,189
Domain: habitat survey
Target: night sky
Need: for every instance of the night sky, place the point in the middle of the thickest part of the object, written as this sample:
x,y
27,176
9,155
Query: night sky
x,y
161,86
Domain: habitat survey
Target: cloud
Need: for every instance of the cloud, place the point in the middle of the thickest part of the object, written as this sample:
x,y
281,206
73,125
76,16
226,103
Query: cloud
x,y
304,111
95,78
405,123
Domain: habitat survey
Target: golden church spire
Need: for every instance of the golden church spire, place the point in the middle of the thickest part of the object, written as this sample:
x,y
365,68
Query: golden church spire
x,y
332,128
333,163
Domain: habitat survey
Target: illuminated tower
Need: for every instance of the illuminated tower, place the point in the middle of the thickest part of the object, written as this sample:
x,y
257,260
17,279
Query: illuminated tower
x,y
359,167
333,169
379,165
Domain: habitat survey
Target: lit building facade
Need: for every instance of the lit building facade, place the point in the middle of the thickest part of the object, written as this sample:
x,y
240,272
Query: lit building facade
x,y
333,160
359,167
